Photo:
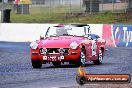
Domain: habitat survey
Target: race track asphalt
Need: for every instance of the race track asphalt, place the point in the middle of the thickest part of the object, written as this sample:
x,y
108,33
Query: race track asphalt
x,y
16,70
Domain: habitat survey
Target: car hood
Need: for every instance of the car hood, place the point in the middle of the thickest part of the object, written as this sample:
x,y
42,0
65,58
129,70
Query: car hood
x,y
60,42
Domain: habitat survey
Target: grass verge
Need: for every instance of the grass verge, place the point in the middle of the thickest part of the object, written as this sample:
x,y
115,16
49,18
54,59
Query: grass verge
x,y
62,15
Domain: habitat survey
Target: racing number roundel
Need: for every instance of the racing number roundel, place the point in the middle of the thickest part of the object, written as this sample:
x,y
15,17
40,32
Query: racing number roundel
x,y
93,48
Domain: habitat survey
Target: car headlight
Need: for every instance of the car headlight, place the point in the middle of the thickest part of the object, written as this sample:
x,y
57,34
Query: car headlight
x,y
74,45
33,45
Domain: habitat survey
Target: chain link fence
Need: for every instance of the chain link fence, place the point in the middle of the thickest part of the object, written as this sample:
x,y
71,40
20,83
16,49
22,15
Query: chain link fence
x,y
71,6
53,7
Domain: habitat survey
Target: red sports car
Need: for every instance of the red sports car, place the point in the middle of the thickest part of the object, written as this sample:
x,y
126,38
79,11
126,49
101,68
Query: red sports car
x,y
73,44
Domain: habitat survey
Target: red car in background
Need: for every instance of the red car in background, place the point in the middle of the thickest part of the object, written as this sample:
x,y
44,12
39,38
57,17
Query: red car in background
x,y
74,44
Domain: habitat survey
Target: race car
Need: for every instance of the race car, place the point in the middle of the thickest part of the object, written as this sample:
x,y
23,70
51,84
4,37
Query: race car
x,y
74,44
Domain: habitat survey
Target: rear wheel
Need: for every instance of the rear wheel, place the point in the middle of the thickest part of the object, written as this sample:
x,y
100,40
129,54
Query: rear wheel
x,y
82,60
36,63
56,63
100,58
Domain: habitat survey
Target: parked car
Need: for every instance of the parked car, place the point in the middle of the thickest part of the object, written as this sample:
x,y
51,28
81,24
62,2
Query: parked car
x,y
73,44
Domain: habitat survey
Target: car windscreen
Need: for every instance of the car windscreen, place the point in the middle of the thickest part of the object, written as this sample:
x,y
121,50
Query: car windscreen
x,y
59,31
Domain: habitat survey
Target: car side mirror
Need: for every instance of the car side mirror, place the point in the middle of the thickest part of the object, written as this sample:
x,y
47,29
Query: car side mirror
x,y
96,38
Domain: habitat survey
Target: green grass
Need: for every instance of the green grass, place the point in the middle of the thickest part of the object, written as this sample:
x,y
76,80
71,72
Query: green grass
x,y
63,15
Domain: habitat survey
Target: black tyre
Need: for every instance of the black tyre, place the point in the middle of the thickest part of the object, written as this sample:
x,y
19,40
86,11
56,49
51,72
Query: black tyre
x,y
56,63
82,60
36,64
100,58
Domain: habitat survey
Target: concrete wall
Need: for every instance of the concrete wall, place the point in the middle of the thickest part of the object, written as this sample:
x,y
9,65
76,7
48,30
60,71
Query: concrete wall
x,y
115,35
21,32
114,6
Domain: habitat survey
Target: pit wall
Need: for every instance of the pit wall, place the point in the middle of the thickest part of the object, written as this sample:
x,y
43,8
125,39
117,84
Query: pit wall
x,y
115,35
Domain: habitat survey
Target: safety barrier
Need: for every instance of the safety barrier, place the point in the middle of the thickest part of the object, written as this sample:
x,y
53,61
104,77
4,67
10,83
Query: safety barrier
x,y
22,32
115,35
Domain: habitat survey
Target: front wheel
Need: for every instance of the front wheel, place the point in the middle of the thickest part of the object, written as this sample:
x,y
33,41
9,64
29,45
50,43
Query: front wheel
x,y
100,58
36,63
82,60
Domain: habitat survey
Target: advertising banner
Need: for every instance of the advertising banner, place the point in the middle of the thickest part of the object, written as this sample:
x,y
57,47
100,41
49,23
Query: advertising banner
x,y
108,35
122,35
25,1
117,35
22,2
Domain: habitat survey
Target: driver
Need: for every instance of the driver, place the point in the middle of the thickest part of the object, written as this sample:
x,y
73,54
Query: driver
x,y
61,31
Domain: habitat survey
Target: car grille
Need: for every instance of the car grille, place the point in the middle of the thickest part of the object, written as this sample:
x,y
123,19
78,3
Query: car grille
x,y
66,50
53,50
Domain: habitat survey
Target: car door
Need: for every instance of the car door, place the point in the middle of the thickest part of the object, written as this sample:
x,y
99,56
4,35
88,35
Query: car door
x,y
94,46
88,43
88,49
